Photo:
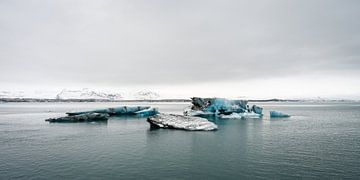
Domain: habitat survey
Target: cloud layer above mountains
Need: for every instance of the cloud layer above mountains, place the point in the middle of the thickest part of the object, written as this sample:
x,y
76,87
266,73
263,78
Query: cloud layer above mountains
x,y
180,43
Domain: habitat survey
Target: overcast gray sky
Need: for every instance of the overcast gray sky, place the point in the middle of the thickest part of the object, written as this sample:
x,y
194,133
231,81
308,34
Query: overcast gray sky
x,y
279,48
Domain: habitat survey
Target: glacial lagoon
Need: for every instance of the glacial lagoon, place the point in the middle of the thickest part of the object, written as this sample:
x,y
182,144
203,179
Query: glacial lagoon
x,y
319,140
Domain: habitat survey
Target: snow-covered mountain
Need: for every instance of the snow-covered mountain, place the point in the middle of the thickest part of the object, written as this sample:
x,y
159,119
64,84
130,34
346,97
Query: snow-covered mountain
x,y
144,95
84,93
9,94
91,94
88,94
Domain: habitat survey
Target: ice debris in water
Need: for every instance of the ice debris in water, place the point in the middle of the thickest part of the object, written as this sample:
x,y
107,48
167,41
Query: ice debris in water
x,y
277,114
173,121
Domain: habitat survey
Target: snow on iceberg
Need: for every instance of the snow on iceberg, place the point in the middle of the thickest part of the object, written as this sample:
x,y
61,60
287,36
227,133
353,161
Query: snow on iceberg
x,y
245,115
173,121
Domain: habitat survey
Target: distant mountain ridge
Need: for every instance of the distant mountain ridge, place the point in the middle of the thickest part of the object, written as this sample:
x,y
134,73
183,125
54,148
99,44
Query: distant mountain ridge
x,y
146,95
85,93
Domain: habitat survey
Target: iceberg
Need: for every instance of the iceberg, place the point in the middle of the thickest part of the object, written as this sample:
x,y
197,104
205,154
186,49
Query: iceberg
x,y
148,112
222,107
172,121
256,109
88,117
277,114
122,110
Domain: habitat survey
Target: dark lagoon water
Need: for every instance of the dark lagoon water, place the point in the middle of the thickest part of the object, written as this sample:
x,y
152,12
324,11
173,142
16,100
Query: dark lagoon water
x,y
318,141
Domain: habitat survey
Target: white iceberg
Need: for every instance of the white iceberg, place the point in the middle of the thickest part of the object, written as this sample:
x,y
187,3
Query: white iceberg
x,y
173,121
245,115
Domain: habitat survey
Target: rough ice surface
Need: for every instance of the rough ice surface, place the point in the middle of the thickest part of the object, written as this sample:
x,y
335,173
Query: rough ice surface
x,y
173,121
245,115
277,114
222,107
88,117
148,112
256,109
122,110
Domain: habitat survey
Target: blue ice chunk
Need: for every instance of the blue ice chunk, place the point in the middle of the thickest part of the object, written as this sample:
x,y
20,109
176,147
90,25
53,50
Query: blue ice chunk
x,y
277,114
122,110
218,105
256,109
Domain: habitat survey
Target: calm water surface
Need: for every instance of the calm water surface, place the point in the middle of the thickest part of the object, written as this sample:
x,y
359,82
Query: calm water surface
x,y
318,141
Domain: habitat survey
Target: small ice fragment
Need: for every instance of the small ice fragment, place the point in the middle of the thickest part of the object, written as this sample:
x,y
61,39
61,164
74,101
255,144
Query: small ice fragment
x,y
277,114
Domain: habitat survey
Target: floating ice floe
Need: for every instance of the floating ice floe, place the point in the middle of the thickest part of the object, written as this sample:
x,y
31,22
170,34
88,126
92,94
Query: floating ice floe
x,y
222,107
277,114
89,117
122,110
173,121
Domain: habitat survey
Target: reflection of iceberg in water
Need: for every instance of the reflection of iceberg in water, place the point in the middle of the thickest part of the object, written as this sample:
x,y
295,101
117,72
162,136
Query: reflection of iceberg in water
x,y
277,114
222,107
